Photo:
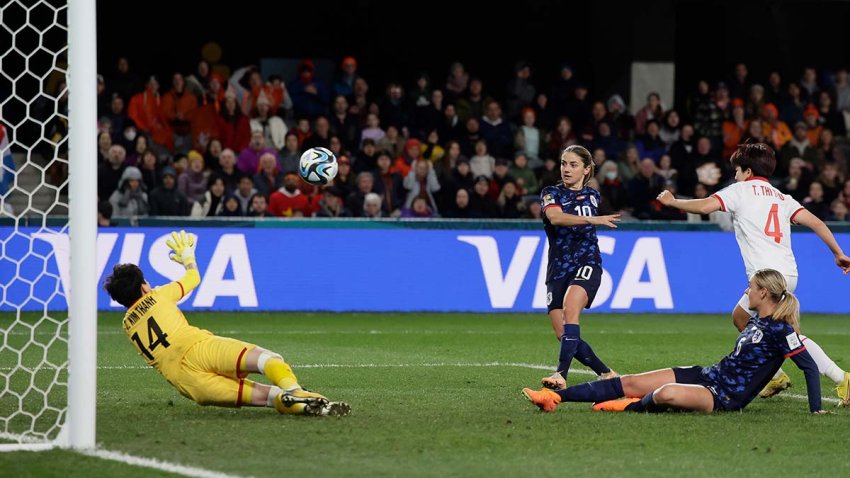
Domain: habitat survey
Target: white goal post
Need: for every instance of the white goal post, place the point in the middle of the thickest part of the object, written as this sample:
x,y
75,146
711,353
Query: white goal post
x,y
48,336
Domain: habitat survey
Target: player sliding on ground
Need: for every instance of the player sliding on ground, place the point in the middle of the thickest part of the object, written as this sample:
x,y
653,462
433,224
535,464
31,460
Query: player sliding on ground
x,y
766,341
574,271
208,369
762,216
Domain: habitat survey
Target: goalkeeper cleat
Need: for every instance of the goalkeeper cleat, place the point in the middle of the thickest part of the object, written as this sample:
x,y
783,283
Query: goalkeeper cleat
x,y
300,402
843,391
545,399
776,385
334,409
607,375
618,405
554,382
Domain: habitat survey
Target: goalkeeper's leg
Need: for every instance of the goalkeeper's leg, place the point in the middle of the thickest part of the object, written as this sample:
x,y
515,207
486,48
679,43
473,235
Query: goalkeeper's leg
x,y
270,364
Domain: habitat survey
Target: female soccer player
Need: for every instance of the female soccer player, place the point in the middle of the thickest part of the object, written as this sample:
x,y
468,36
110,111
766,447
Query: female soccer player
x,y
767,340
575,265
762,217
205,368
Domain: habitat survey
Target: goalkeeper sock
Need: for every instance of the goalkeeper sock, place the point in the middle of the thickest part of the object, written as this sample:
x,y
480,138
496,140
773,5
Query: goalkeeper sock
x,y
569,345
278,371
598,391
646,404
585,355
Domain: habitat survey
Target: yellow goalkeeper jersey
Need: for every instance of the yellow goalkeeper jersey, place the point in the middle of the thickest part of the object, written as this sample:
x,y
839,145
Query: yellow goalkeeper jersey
x,y
159,330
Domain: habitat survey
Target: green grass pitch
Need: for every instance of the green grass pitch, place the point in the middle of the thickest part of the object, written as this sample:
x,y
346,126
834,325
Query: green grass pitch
x,y
439,395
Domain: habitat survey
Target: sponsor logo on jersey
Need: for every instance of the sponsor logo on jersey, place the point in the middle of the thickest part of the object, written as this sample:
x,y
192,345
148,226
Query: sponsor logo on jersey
x,y
793,340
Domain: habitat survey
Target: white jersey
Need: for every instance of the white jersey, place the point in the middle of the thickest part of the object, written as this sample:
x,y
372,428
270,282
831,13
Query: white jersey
x,y
762,217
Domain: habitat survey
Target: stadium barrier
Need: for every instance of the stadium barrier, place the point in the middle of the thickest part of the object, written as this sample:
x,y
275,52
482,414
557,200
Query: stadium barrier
x,y
375,266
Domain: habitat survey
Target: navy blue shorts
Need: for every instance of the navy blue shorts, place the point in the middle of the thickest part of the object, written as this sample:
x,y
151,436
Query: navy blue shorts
x,y
694,376
587,277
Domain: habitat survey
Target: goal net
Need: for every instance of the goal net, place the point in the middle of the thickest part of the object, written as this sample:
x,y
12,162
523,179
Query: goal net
x,y
37,259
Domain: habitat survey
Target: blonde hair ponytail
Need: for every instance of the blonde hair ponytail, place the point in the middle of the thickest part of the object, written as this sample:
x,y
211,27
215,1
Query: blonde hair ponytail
x,y
788,307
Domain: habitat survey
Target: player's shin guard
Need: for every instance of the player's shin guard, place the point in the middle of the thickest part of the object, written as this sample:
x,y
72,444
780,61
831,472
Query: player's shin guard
x,y
585,355
569,346
598,391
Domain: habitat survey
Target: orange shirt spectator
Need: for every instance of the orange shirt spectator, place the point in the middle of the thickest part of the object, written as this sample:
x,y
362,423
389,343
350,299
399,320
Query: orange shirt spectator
x,y
145,109
774,128
288,201
734,128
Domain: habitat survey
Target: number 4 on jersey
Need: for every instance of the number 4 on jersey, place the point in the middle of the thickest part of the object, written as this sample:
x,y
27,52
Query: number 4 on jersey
x,y
154,330
771,227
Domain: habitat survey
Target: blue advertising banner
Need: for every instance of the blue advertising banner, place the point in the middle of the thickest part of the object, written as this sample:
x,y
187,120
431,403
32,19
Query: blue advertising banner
x,y
413,270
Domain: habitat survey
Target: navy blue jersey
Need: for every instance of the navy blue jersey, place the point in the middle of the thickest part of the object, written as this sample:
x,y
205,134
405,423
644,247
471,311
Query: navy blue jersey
x,y
759,352
570,247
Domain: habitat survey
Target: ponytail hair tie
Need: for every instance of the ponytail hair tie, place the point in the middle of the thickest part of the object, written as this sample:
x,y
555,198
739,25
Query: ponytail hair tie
x,y
783,295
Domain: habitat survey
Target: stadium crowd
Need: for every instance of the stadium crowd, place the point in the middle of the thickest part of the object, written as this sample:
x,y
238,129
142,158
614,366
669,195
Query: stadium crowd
x,y
451,145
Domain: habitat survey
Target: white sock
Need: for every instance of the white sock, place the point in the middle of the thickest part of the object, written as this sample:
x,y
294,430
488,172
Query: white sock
x,y
274,391
777,374
826,366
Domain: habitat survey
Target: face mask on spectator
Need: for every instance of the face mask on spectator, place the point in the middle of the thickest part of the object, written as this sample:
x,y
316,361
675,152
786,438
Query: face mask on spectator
x,y
611,175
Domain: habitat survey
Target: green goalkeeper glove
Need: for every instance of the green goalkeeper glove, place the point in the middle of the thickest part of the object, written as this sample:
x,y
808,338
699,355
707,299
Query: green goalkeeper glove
x,y
182,247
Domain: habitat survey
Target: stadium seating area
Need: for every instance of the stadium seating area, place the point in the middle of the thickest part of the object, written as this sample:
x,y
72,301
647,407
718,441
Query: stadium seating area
x,y
451,144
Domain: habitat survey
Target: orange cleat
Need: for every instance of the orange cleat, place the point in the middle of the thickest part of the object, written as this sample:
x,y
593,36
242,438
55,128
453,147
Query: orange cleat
x,y
544,398
618,405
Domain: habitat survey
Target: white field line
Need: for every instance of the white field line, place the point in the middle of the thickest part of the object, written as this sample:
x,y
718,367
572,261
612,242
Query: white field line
x,y
175,468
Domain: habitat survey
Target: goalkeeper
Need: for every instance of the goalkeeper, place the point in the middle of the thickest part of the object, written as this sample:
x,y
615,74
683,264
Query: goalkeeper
x,y
208,369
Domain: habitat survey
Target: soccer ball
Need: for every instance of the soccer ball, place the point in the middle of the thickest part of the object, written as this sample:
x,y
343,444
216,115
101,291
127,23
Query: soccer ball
x,y
318,166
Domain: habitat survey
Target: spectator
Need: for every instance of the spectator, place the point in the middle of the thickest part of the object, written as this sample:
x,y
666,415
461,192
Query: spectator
x,y
193,181
815,202
791,110
244,193
392,142
666,169
123,81
739,85
598,115
755,101
533,209
611,188
359,101
829,154
481,206
344,84
796,147
372,130
269,179
365,185
650,145
457,81
303,130
104,142
177,108
562,137
680,150
290,156
110,173
704,166
628,164
774,92
811,117
367,158
212,154
608,142
146,112
644,188
429,117
482,163
509,201
227,169
563,91
372,207
449,160
149,166
230,206
520,91
830,118
249,158
344,125
344,179
431,149
419,209
210,203
309,94
831,182
496,131
797,182
389,185
395,110
722,100
232,125
774,128
670,128
450,128
809,85
622,123
289,201
838,211
422,182
525,178
841,90
549,174
499,178
273,128
321,136
130,199
652,110
707,117
104,214
472,105
412,152
460,207
529,139
579,108
755,133
420,94
331,204
460,177
119,122
166,199
722,219
471,135
258,206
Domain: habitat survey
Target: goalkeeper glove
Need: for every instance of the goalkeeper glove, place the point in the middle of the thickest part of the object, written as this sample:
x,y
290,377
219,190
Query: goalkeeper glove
x,y
182,247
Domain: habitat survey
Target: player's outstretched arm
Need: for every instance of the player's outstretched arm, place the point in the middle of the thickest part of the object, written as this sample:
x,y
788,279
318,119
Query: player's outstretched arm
x,y
560,218
182,247
806,218
806,363
697,206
